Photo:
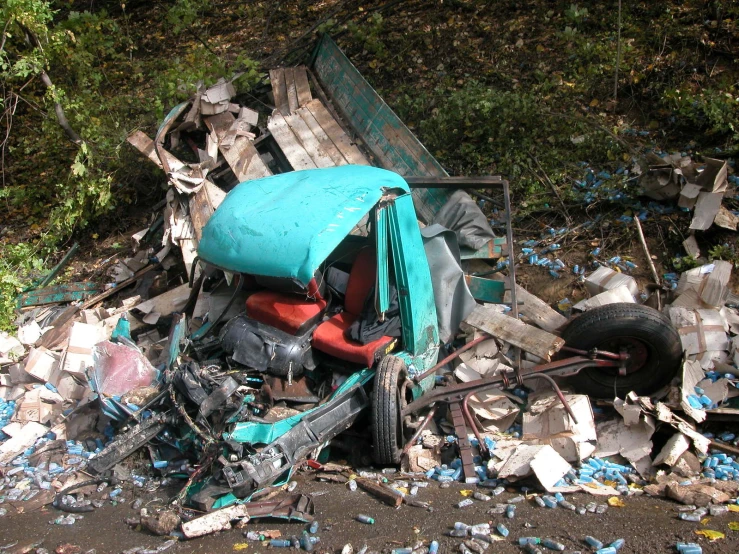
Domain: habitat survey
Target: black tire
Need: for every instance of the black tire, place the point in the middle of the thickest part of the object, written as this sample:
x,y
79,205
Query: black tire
x,y
388,400
648,336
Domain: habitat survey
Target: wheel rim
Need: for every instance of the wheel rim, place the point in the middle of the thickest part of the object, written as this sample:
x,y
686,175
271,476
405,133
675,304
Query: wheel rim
x,y
639,354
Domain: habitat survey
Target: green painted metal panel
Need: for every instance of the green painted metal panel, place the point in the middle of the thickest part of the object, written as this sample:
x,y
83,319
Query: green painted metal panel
x,y
288,224
67,292
264,433
486,290
493,249
413,279
391,142
383,282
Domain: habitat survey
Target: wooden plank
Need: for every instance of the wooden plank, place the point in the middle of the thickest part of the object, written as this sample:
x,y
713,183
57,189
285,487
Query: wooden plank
x,y
145,145
309,141
289,143
244,160
349,150
292,91
326,143
279,91
515,332
300,74
202,205
200,211
215,194
534,308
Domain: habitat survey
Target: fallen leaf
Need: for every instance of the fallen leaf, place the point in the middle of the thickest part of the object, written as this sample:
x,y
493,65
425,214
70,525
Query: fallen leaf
x,y
466,493
705,520
594,102
733,507
616,502
710,534
734,525
241,546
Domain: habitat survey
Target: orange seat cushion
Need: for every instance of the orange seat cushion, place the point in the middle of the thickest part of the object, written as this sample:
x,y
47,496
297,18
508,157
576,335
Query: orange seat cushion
x,y
329,337
286,312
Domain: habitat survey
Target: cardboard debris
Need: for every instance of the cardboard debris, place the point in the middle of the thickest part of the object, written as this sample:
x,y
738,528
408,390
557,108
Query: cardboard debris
x,y
612,296
23,438
549,467
11,349
78,355
482,358
605,279
691,376
700,330
675,447
547,422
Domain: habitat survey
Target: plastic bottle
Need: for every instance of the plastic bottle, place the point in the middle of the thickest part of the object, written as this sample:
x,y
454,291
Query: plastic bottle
x,y
313,527
510,511
552,545
618,544
502,529
433,547
461,526
689,548
482,497
280,543
361,518
528,540
540,501
305,542
592,541
606,550
352,484
689,517
465,503
498,490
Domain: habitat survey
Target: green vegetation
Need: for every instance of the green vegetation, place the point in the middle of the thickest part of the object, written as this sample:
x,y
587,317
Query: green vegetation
x,y
527,91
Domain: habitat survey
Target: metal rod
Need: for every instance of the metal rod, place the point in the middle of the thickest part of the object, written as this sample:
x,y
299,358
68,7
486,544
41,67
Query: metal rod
x,y
450,357
54,272
473,424
557,391
426,182
420,429
603,353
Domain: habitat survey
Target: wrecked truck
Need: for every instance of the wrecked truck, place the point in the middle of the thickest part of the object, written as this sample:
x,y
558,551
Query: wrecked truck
x,y
342,306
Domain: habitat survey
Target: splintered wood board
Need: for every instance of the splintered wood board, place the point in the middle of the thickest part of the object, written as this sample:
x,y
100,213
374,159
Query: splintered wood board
x,y
534,309
292,93
145,145
289,143
244,160
326,144
279,90
309,141
349,150
515,332
300,74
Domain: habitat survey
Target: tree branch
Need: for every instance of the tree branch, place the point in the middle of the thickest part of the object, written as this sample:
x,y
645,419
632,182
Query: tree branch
x,y
58,109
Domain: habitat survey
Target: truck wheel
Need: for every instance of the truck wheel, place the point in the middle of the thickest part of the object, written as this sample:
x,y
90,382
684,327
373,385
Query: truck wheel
x,y
388,401
646,334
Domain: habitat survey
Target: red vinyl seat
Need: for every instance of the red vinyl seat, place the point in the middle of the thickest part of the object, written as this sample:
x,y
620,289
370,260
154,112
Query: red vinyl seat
x,y
292,313
330,336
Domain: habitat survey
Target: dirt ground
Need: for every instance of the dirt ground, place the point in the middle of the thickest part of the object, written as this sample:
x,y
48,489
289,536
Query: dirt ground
x,y
648,525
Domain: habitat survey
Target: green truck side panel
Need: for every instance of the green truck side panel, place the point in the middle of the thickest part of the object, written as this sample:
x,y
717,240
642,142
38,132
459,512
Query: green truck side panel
x,y
390,141
412,279
486,290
